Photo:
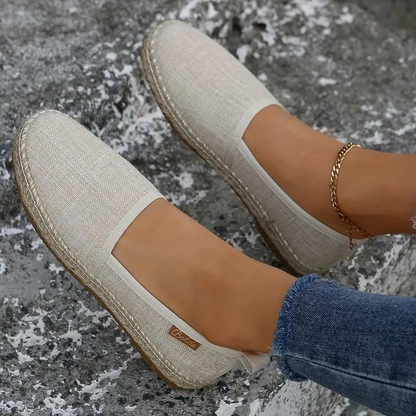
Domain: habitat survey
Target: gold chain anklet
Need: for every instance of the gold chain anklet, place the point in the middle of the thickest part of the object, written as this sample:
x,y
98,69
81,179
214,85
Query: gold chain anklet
x,y
349,225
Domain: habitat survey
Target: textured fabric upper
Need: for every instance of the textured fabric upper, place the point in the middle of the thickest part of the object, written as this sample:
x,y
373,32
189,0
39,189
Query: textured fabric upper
x,y
84,186
210,88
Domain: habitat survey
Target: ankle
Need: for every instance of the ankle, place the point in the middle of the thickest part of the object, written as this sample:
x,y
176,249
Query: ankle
x,y
377,191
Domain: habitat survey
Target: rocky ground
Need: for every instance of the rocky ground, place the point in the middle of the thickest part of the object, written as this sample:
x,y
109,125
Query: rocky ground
x,y
346,67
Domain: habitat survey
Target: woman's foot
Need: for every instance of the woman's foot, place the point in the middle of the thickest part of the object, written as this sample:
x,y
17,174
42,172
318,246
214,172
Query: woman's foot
x,y
232,300
376,190
279,167
210,99
84,199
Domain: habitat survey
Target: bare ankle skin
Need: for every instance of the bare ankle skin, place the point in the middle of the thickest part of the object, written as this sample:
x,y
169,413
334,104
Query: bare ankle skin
x,y
376,190
230,299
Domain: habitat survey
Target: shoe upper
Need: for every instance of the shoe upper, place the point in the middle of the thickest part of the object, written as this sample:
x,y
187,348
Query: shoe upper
x,y
81,196
210,98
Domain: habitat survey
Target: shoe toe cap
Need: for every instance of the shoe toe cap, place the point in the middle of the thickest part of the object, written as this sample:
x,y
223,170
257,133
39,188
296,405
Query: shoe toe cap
x,y
72,181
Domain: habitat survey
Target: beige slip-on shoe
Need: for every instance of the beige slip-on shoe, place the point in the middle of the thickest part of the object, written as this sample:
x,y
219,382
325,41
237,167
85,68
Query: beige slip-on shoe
x,y
209,98
81,196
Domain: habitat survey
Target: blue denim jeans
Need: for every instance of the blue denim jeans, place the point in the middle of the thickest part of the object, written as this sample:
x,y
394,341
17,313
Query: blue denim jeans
x,y
358,344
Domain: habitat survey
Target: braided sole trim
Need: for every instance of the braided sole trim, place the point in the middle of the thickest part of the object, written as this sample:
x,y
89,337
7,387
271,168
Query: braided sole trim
x,y
168,108
34,205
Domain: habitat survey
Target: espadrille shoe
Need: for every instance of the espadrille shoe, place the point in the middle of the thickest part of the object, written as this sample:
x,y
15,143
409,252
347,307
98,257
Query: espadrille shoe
x,y
210,98
81,196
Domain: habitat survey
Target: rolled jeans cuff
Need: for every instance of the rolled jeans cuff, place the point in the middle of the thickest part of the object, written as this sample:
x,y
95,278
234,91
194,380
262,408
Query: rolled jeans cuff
x,y
282,335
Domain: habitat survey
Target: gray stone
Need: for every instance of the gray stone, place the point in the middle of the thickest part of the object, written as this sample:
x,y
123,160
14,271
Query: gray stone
x,y
346,67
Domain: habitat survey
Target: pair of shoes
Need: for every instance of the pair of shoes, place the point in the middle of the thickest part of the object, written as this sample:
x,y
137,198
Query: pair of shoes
x,y
81,197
